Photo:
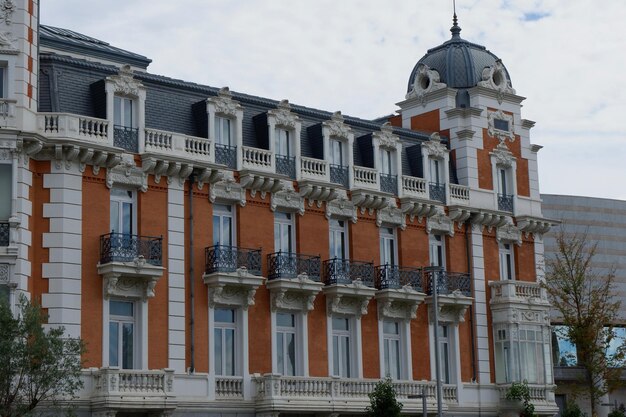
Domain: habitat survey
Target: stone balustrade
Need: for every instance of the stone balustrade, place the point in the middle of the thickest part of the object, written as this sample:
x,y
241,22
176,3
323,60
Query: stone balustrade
x,y
228,387
258,159
459,194
365,178
133,382
511,290
314,169
414,187
72,126
176,144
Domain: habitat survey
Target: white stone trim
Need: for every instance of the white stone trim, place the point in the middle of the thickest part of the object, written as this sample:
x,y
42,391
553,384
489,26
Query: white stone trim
x,y
335,128
406,365
302,340
140,354
223,105
283,118
480,306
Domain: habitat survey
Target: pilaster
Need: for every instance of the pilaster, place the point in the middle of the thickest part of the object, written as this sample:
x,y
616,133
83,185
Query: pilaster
x,y
480,306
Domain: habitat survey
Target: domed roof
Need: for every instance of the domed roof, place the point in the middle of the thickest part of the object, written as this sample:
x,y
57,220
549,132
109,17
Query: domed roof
x,y
460,63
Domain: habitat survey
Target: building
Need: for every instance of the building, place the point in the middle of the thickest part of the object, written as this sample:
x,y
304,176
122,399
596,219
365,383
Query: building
x,y
604,223
225,254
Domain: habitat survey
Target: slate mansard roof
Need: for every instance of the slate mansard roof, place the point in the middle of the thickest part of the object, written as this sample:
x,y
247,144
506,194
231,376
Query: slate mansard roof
x,y
71,85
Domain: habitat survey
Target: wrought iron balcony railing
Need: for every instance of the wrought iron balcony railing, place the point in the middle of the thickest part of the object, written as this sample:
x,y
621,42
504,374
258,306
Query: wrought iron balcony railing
x,y
437,191
5,231
226,155
126,138
342,271
505,202
447,282
339,175
121,247
290,265
394,277
286,165
223,258
389,183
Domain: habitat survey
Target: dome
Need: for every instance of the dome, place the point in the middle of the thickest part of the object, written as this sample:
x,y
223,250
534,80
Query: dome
x,y
460,64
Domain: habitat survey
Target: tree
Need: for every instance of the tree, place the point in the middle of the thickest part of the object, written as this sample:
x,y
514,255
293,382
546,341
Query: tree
x,y
587,308
37,367
383,402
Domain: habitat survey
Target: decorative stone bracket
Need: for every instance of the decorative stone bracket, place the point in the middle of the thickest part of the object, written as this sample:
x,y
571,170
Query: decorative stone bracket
x,y
293,294
534,225
440,223
287,200
391,215
351,299
341,208
370,200
227,191
130,279
257,182
232,289
317,192
509,233
399,303
127,173
489,220
417,208
452,307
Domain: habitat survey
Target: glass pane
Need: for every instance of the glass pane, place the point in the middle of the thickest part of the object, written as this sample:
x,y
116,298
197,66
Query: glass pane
x,y
127,218
115,216
227,230
224,315
394,359
340,323
117,111
280,353
387,358
5,191
127,346
391,327
336,355
286,238
229,350
227,134
277,246
128,113
2,69
113,343
216,231
121,308
218,352
291,354
285,320
346,356
5,294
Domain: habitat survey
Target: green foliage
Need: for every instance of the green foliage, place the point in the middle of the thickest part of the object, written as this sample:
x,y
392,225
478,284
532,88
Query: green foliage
x,y
36,365
573,410
519,391
587,307
618,412
383,402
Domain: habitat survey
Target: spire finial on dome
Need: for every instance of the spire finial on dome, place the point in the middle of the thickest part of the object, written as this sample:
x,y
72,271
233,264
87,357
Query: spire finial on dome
x,y
455,29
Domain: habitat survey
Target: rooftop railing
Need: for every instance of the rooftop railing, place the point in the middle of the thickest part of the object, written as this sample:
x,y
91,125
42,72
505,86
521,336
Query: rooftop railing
x,y
342,271
121,247
224,258
291,265
394,277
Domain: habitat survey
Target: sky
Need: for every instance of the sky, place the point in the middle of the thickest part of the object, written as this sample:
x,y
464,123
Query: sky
x,y
567,57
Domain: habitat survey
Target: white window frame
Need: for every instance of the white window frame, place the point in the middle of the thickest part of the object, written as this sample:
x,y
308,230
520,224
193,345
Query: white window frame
x,y
236,341
354,361
333,158
282,220
435,172
140,352
436,243
507,259
515,365
282,139
388,234
132,200
218,130
225,211
336,230
401,339
300,331
387,159
454,354
119,114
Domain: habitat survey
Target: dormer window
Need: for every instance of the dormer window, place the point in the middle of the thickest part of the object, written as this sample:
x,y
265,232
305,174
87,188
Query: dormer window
x,y
388,178
126,99
505,189
282,142
285,161
126,132
338,164
437,186
223,131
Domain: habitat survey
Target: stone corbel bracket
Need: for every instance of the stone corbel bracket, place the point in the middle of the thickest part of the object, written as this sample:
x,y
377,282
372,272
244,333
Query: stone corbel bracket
x,y
370,200
232,288
257,182
417,208
227,191
509,233
317,193
130,279
440,223
287,200
536,226
391,215
482,219
452,307
341,208
350,299
127,173
459,215
399,303
293,294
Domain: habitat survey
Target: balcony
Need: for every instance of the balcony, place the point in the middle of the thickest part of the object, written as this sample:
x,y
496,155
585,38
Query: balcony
x,y
389,183
437,192
286,165
133,390
293,280
127,260
505,202
349,285
518,292
176,144
296,395
292,265
541,396
449,282
453,293
5,233
399,291
228,388
232,274
71,126
339,175
459,194
126,138
366,178
226,155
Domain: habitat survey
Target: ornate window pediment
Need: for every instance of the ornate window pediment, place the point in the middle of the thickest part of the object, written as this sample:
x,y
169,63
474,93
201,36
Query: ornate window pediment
x,y
341,208
124,83
502,156
391,215
293,294
426,81
287,200
399,303
349,299
126,173
435,148
336,127
224,103
283,116
496,123
509,233
386,138
440,223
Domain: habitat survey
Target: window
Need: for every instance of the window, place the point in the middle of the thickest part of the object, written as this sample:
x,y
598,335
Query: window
x,y
435,171
336,152
223,131
392,349
122,213
503,184
531,354
503,357
338,239
387,246
501,124
283,232
225,341
123,112
122,334
444,354
3,80
342,347
563,350
282,142
5,294
286,343
6,190
521,359
506,261
437,250
386,165
223,225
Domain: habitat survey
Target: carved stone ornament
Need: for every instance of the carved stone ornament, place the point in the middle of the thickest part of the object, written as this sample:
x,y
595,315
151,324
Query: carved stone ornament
x,y
503,157
283,116
317,192
434,148
426,81
350,299
452,307
124,83
386,138
7,8
533,225
259,182
6,154
370,200
231,295
417,209
287,200
509,233
8,43
129,287
494,77
294,294
401,303
341,208
440,223
459,216
501,135
336,126
391,215
227,192
127,174
224,103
